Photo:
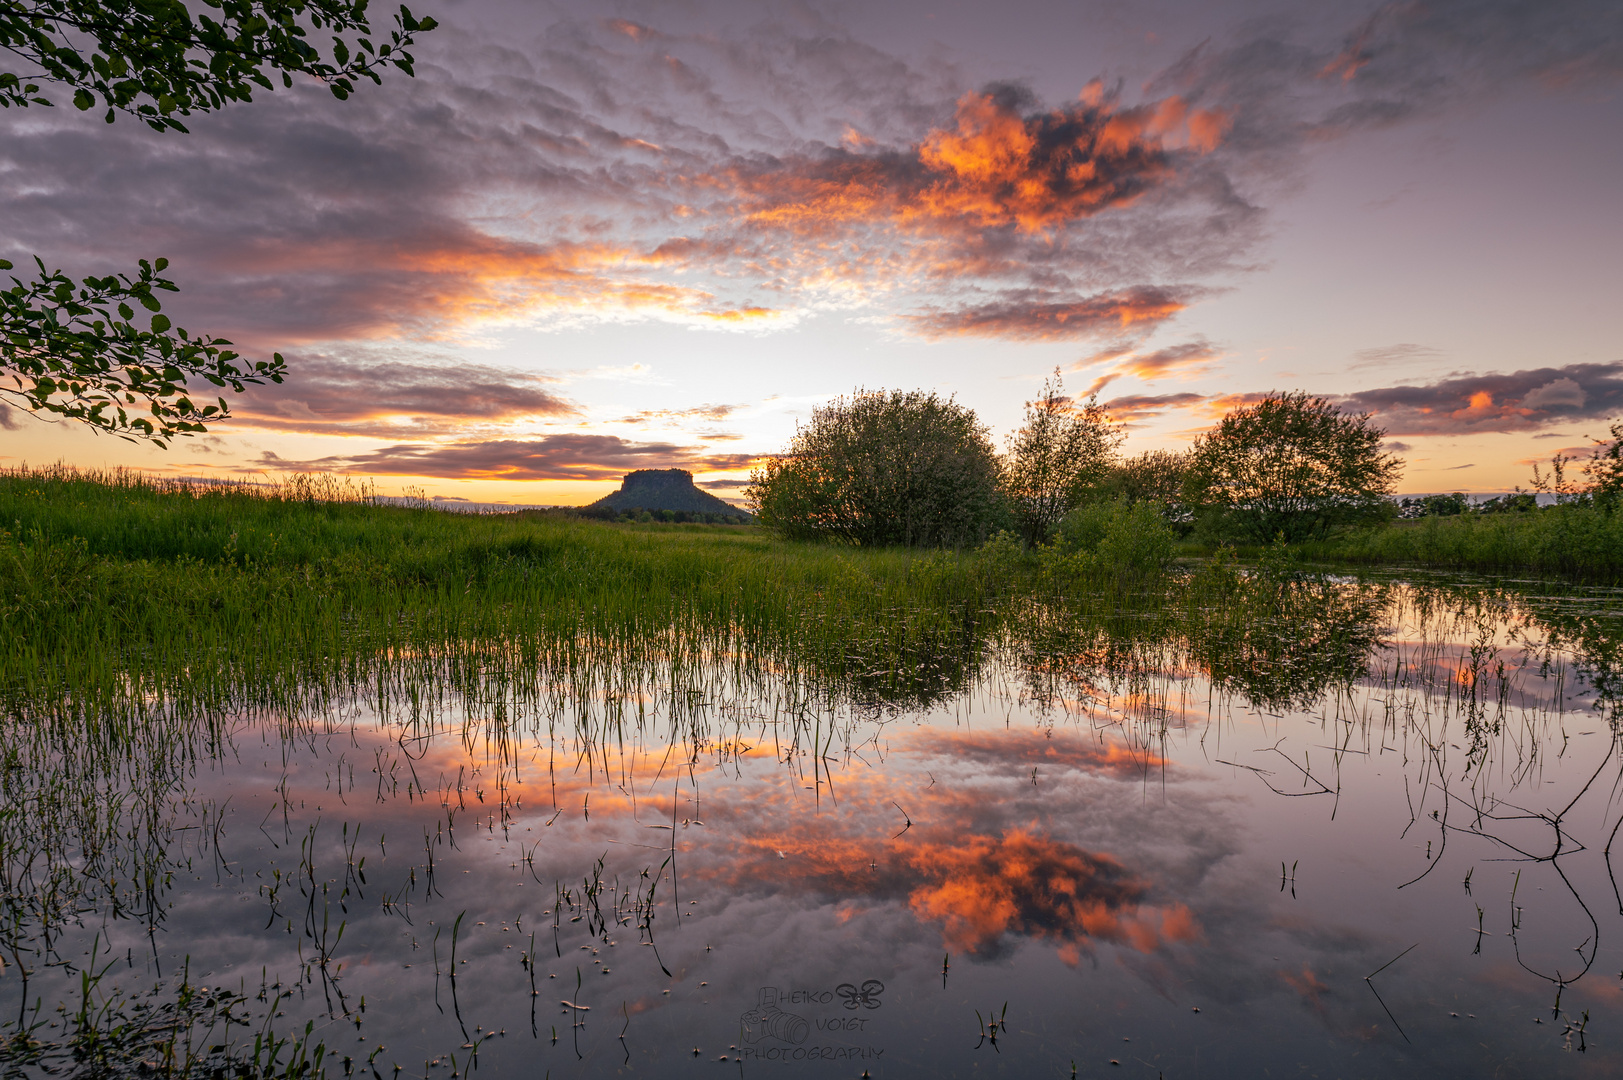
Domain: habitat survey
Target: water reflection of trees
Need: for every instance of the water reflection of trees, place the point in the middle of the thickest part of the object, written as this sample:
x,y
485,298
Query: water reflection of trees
x,y
1273,641
1473,677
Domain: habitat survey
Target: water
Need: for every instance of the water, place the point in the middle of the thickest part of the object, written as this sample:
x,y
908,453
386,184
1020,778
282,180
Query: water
x,y
1327,828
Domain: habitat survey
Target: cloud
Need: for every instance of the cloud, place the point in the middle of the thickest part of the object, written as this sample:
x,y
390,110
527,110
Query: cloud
x,y
1137,408
1189,360
1520,401
1003,163
983,888
332,395
1402,353
1022,316
743,175
549,457
697,412
1284,89
1560,393
618,171
969,863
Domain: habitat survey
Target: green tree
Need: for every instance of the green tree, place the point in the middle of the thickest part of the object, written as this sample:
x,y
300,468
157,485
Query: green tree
x,y
1061,451
74,349
1154,476
1605,467
878,468
1291,465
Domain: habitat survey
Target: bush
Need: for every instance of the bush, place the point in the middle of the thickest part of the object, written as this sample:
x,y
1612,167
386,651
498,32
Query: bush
x,y
1115,539
1292,466
1435,506
879,468
1517,502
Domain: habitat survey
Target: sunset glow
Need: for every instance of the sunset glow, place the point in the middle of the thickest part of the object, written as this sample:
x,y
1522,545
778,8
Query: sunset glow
x,y
565,221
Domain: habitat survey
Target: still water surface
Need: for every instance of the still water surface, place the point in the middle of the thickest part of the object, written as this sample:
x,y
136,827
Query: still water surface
x,y
1362,830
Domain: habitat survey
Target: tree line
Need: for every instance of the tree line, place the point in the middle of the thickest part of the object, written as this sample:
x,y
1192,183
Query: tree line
x,y
1601,487
913,468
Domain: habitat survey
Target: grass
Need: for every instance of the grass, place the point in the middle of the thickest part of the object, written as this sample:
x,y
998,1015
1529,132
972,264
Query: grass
x,y
124,597
115,587
136,616
1575,541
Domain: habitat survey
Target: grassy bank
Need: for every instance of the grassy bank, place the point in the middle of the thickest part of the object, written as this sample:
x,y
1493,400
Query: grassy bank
x,y
111,578
1575,541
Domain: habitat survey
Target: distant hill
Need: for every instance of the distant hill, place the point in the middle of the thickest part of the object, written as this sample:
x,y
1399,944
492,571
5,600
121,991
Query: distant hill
x,y
665,489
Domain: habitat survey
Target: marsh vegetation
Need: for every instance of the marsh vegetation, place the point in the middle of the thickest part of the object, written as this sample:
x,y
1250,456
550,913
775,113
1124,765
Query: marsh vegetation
x,y
295,784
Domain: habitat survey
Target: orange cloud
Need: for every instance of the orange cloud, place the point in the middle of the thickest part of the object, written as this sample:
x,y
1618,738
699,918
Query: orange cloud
x,y
983,888
1189,360
994,168
1309,985
634,31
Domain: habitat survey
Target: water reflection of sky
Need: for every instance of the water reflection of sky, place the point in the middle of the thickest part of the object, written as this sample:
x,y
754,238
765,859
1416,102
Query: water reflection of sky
x,y
1199,895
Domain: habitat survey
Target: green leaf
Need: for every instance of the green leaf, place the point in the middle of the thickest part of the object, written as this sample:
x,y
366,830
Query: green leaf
x,y
83,99
125,312
160,324
150,302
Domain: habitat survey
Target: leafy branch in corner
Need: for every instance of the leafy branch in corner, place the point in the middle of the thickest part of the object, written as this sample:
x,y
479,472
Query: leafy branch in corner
x,y
75,351
151,59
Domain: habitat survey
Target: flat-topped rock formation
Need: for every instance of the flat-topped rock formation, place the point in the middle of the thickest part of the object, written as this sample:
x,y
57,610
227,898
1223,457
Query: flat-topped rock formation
x,y
665,489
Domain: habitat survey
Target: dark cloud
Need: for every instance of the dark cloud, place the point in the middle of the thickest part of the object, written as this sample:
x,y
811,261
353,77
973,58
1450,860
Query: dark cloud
x,y
601,172
327,394
735,174
721,485
550,457
1520,401
1285,88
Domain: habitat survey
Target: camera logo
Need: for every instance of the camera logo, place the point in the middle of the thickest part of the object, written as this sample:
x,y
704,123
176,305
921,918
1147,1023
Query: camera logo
x,y
767,1020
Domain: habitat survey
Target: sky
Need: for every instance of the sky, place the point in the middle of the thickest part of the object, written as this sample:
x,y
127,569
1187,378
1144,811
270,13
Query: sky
x,y
591,238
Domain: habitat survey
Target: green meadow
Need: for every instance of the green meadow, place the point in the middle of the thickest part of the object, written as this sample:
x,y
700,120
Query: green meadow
x,y
110,578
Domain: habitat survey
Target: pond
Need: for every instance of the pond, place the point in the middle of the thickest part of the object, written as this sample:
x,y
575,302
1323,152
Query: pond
x,y
1298,825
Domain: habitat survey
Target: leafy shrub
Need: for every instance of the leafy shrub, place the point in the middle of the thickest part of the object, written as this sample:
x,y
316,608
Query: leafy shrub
x,y
881,468
1113,540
